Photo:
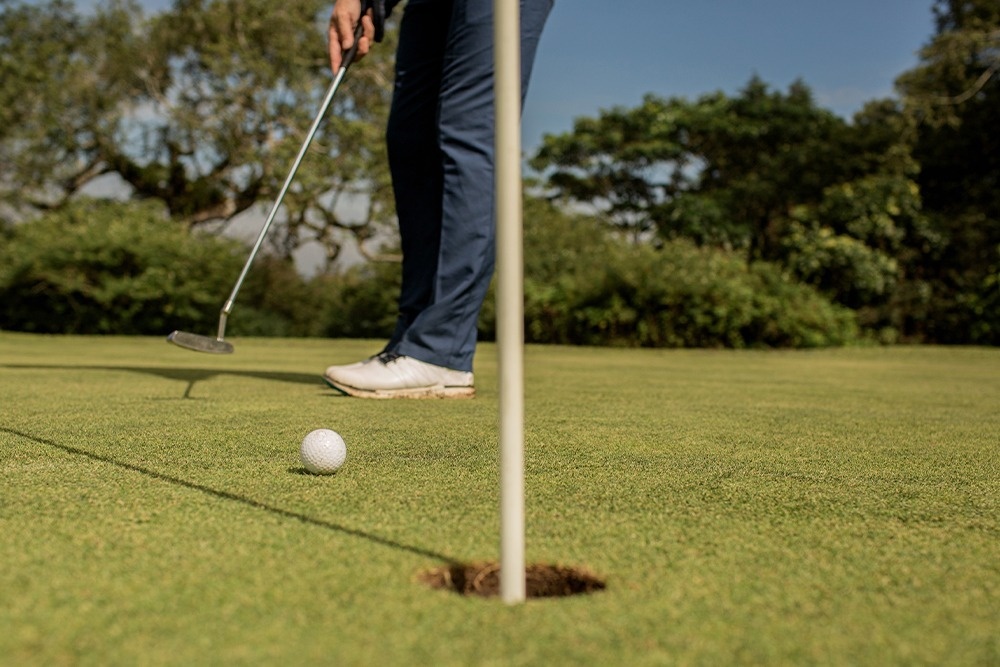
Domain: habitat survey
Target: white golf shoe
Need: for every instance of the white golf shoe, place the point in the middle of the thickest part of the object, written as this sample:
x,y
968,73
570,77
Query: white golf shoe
x,y
390,375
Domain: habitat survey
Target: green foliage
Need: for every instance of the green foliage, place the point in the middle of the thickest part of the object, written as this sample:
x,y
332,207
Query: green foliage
x,y
985,305
864,245
101,267
68,82
895,214
274,301
959,65
953,98
584,286
769,173
360,302
719,170
729,201
841,264
202,107
237,86
105,267
622,159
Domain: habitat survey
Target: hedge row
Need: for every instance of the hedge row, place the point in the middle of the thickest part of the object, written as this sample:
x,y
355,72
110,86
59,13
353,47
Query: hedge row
x,y
107,267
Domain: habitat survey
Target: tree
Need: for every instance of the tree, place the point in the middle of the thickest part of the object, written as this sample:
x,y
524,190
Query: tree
x,y
953,96
721,170
764,152
67,81
961,63
202,107
766,172
626,162
867,241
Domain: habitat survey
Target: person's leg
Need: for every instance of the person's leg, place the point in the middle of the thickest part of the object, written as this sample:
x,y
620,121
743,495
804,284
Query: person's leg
x,y
445,204
444,332
415,160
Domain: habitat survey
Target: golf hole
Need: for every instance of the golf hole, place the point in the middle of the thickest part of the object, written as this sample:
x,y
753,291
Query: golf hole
x,y
483,579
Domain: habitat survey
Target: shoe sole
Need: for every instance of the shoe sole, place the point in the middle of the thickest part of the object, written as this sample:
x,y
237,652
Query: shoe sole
x,y
417,392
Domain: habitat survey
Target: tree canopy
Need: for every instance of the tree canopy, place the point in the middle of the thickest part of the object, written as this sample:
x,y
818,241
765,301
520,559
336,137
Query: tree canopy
x,y
202,107
893,214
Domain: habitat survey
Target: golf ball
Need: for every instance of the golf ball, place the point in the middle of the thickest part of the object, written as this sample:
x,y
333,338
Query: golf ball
x,y
323,451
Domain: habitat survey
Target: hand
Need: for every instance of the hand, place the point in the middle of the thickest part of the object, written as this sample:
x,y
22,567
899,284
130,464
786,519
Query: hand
x,y
343,22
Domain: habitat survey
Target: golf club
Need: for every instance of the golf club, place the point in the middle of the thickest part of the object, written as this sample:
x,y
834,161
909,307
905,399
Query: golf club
x,y
219,344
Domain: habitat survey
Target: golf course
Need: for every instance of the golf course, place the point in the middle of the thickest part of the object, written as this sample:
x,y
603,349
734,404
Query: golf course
x,y
824,507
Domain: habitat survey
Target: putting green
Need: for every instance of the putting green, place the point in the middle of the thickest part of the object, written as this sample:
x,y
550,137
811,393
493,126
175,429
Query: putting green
x,y
821,507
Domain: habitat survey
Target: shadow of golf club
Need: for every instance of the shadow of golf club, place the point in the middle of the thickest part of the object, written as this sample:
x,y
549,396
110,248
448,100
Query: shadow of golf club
x,y
189,375
226,495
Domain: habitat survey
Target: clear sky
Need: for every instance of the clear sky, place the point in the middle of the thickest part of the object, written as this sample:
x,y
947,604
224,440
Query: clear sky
x,y
596,54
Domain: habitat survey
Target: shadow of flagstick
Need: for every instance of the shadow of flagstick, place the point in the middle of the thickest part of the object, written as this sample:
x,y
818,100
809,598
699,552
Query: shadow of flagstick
x,y
226,495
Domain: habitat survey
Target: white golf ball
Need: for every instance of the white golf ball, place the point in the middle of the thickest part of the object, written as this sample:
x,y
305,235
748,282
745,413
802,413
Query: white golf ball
x,y
323,451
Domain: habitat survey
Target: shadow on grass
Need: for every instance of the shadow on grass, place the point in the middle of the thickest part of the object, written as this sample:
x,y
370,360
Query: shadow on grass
x,y
189,375
226,495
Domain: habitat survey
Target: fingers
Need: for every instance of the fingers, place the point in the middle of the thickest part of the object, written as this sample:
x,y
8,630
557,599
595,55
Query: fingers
x,y
341,31
343,23
368,24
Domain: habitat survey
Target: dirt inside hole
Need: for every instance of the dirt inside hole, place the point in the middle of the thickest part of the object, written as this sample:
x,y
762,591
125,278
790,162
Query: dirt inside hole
x,y
483,579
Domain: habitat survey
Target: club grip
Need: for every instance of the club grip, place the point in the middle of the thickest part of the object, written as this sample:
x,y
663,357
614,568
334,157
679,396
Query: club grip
x,y
351,52
378,17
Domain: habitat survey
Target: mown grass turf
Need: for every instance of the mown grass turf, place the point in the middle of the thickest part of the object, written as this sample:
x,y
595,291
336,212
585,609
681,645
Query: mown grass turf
x,y
830,507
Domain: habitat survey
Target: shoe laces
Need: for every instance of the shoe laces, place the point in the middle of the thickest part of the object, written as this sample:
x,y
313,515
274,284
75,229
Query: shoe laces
x,y
386,357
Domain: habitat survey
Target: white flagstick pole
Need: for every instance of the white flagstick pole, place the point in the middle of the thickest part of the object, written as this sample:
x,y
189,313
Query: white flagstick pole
x,y
510,295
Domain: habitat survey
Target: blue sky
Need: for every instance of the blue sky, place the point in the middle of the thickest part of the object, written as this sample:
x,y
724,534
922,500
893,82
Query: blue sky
x,y
596,54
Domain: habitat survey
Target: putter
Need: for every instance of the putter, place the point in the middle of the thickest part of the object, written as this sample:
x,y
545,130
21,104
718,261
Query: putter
x,y
219,344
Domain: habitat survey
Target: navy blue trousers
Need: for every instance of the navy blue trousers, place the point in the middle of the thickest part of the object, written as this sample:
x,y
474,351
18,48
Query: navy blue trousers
x,y
440,140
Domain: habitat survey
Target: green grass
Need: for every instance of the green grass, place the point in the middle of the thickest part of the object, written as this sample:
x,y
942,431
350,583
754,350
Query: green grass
x,y
827,507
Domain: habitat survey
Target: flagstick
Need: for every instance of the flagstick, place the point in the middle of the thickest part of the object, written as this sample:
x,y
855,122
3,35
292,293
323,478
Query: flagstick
x,y
510,296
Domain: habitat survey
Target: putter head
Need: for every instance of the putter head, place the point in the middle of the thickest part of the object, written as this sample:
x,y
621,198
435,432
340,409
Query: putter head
x,y
190,341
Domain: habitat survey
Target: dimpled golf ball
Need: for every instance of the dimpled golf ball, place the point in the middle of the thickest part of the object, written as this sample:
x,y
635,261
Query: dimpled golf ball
x,y
323,451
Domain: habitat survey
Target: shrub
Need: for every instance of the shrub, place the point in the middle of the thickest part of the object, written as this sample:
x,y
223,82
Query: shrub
x,y
360,302
109,267
584,286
